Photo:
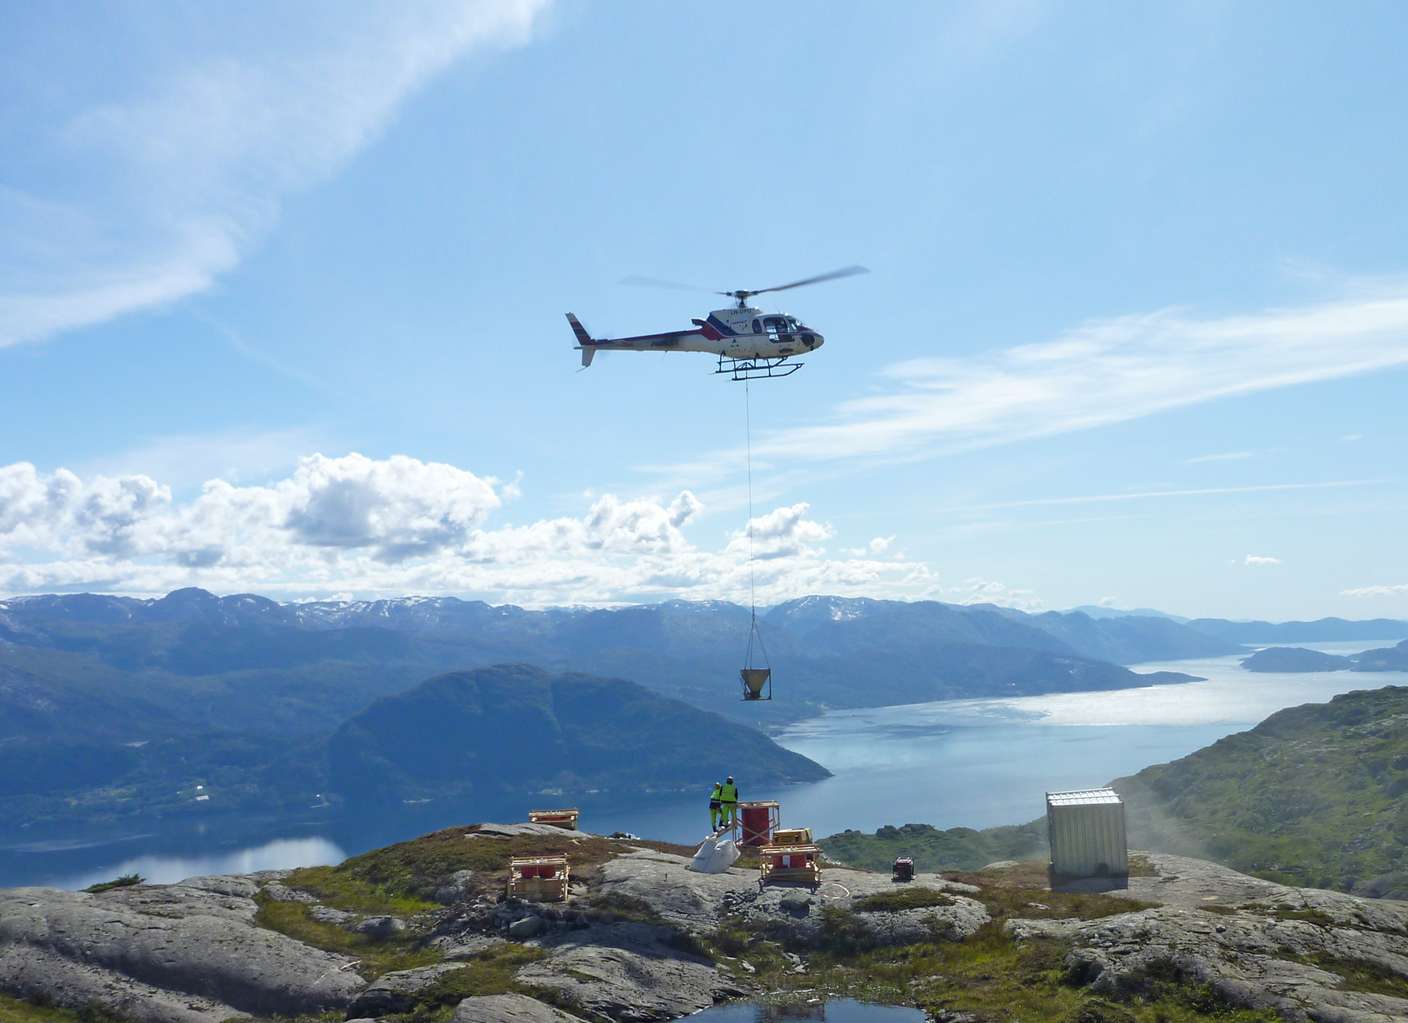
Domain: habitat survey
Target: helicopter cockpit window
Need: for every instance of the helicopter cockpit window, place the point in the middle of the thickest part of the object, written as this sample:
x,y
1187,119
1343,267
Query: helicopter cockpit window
x,y
775,325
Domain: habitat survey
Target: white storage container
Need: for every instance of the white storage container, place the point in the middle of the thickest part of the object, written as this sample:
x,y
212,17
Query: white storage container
x,y
1086,832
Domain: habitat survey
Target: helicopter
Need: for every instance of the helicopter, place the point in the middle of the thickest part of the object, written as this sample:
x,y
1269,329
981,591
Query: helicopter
x,y
749,344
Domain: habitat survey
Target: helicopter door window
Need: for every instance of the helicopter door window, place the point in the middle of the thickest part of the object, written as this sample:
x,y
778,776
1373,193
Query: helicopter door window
x,y
757,327
774,326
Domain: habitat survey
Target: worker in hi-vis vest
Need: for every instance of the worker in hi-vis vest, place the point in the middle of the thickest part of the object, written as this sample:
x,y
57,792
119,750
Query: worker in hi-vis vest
x,y
728,802
715,805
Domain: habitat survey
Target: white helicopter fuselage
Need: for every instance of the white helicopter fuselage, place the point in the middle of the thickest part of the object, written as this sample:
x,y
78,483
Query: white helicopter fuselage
x,y
739,332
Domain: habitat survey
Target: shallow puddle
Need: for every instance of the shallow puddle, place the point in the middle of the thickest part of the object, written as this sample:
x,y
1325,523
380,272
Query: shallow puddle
x,y
837,1010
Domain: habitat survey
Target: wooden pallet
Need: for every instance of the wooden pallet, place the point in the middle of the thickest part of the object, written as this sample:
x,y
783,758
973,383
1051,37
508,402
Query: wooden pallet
x,y
790,863
538,878
566,819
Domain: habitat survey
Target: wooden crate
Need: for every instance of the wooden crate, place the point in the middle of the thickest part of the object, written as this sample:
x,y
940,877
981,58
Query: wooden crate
x,y
792,836
538,878
795,863
566,819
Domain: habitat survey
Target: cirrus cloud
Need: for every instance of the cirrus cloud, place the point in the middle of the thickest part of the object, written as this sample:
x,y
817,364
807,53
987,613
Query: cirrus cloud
x,y
199,150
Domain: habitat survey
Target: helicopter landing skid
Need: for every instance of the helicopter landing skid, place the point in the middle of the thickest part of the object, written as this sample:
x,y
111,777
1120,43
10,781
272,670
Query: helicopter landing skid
x,y
757,369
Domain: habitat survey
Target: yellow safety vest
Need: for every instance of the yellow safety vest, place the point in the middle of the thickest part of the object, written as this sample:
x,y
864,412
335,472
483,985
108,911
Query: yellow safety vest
x,y
716,795
728,793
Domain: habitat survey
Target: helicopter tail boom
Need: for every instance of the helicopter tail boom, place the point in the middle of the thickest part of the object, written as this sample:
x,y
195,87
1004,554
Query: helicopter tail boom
x,y
585,343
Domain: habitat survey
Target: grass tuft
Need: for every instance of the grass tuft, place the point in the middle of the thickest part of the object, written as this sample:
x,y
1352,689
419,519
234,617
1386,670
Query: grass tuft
x,y
125,881
917,897
348,892
1285,911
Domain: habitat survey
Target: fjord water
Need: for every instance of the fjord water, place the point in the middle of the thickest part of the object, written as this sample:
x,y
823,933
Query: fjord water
x,y
974,763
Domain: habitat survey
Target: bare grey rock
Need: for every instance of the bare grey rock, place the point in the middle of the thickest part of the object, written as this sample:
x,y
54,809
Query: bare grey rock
x,y
162,954
628,971
455,947
396,992
456,888
379,928
1243,937
698,902
509,1009
515,830
280,892
336,917
219,884
796,903
525,928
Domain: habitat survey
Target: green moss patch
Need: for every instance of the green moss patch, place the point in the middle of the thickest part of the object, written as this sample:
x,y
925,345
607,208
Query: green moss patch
x,y
1363,975
400,952
991,977
12,1010
917,897
1022,892
415,869
625,907
344,890
493,972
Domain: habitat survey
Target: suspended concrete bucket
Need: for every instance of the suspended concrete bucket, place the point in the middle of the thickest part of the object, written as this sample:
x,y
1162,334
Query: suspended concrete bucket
x,y
755,681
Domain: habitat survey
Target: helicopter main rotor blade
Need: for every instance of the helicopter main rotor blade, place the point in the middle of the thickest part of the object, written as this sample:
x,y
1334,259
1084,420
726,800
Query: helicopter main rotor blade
x,y
637,281
845,271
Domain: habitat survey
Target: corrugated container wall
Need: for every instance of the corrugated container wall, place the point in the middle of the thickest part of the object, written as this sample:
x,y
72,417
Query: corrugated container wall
x,y
1086,831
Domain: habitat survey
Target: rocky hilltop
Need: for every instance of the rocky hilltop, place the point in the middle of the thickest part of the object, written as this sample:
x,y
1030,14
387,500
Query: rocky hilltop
x,y
423,931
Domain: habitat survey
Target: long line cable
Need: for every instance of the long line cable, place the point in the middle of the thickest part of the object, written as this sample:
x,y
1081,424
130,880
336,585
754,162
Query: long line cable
x,y
748,435
753,631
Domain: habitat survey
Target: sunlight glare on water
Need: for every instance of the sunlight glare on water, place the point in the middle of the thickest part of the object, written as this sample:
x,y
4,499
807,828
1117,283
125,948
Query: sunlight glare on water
x,y
280,854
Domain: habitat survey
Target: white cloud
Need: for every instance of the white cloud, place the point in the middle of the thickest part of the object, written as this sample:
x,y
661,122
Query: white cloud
x,y
1260,560
780,533
400,525
989,591
1097,374
1221,456
1382,590
1150,495
877,547
196,164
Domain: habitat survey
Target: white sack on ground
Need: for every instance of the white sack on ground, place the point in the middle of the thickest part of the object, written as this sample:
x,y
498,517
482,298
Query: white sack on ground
x,y
715,855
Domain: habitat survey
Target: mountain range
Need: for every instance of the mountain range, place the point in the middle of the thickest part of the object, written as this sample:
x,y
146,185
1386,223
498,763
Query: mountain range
x,y
118,702
194,660
1295,658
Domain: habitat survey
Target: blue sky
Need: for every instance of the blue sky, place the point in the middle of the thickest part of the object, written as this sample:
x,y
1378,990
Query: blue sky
x,y
281,297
